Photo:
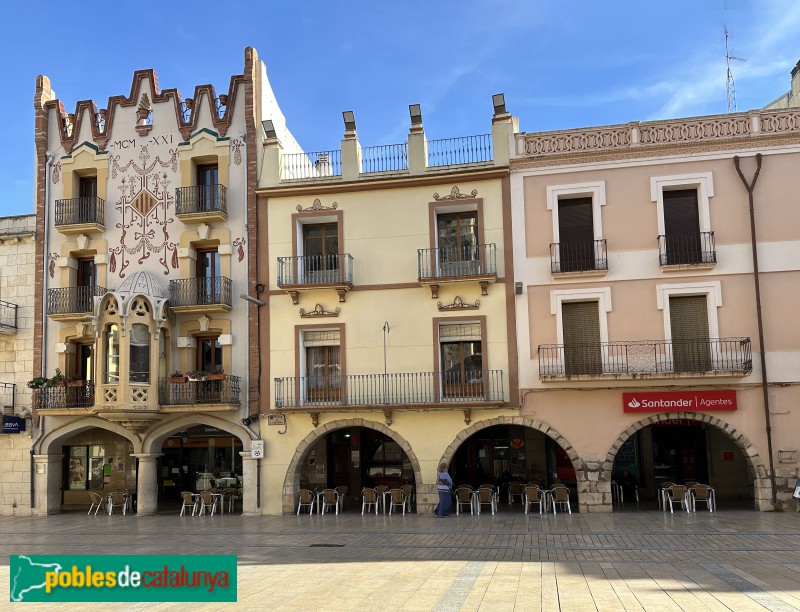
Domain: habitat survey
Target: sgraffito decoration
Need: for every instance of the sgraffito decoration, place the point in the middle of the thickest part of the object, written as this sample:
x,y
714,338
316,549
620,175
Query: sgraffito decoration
x,y
144,206
56,176
236,145
239,244
51,266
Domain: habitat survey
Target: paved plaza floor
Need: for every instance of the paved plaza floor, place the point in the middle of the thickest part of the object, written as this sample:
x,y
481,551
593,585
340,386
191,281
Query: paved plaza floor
x,y
648,560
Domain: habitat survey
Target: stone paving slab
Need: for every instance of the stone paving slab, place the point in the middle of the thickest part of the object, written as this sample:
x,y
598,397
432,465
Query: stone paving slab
x,y
731,560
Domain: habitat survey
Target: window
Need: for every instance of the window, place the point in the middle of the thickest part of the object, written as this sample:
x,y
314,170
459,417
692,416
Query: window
x,y
207,182
111,345
578,244
581,321
209,354
684,226
322,365
86,281
87,187
461,357
320,252
208,276
457,240
139,354
691,348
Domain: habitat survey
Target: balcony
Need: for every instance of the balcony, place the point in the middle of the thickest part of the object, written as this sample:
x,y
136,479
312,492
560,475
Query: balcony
x,y
386,390
201,203
647,359
199,295
310,272
582,258
679,250
72,303
8,317
80,216
477,263
214,395
65,398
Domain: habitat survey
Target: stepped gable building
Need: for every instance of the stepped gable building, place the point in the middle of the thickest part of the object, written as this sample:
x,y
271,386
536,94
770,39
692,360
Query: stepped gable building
x,y
655,315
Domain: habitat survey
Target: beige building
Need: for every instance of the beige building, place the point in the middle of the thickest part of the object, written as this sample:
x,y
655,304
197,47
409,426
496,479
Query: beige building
x,y
141,354
791,98
387,331
639,322
16,360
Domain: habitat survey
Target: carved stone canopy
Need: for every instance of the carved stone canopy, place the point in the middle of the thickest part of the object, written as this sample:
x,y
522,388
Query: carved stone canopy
x,y
455,194
317,205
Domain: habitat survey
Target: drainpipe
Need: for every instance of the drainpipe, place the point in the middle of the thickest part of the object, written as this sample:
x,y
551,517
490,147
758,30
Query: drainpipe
x,y
750,187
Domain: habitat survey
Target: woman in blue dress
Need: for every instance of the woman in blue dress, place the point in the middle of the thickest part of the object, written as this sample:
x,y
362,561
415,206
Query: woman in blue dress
x,y
445,485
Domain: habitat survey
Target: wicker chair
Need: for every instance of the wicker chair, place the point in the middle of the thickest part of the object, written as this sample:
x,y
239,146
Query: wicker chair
x,y
676,494
464,497
329,498
307,498
369,497
704,494
662,494
342,491
116,499
397,498
381,490
409,491
515,490
483,496
97,503
207,500
187,501
533,495
559,494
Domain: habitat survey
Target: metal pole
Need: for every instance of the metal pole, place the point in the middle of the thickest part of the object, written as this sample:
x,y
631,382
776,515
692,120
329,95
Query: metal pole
x,y
385,370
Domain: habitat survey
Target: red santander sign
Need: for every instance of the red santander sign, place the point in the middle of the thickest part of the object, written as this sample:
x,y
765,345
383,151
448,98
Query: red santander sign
x,y
677,401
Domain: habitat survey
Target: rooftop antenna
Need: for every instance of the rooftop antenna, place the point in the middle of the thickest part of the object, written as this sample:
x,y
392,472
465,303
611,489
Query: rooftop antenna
x,y
730,86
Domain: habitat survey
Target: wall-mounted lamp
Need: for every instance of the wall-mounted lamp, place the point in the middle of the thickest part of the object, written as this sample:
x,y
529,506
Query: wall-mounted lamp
x,y
184,437
518,288
252,300
349,121
269,128
416,114
499,102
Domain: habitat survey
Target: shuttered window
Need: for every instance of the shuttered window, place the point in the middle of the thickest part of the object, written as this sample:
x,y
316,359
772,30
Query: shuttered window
x,y
576,234
581,332
682,227
688,319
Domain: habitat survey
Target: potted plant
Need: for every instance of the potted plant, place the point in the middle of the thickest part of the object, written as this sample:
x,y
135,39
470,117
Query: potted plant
x,y
75,381
58,379
38,382
196,375
176,376
218,375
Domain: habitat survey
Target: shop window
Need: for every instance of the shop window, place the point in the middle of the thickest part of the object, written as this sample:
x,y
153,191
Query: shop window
x,y
139,366
111,345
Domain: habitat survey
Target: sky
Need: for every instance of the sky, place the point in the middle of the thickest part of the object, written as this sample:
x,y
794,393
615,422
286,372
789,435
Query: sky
x,y
560,63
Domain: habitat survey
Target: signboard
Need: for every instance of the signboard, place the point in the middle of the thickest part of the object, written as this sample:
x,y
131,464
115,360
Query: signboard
x,y
257,449
12,425
678,401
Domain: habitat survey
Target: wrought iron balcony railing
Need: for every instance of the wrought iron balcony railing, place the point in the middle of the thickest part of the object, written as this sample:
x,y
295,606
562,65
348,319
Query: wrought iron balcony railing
x,y
416,388
315,270
214,291
687,249
8,315
384,158
201,199
450,262
461,150
72,300
318,164
75,211
578,256
224,391
64,396
642,357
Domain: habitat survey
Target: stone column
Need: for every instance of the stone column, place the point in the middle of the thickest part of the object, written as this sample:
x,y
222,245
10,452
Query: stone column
x,y
47,484
249,488
417,151
147,484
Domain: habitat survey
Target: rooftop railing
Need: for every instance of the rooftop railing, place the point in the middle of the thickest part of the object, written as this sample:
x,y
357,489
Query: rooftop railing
x,y
698,356
461,150
416,388
384,158
75,211
317,164
224,391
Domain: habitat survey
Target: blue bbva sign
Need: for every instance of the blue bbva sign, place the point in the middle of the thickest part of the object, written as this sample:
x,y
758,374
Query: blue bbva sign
x,y
12,424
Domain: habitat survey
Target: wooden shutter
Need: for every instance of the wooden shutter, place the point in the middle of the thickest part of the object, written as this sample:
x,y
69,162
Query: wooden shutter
x,y
581,327
576,234
688,319
682,227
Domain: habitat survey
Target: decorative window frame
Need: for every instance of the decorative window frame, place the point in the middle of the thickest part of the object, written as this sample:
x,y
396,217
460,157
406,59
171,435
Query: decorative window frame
x,y
703,181
445,207
300,355
595,190
601,295
312,217
711,289
437,347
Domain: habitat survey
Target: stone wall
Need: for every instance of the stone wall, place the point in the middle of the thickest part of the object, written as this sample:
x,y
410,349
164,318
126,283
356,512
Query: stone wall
x,y
17,274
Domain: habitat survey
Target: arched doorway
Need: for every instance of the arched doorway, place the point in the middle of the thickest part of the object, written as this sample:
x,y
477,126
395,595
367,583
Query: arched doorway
x,y
355,453
686,447
505,449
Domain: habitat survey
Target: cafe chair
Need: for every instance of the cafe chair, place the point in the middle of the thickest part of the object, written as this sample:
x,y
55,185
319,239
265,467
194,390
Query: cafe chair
x,y
662,495
533,495
484,496
676,494
187,501
207,500
703,494
514,491
464,498
229,496
116,499
97,503
409,491
559,494
342,491
329,498
369,497
397,498
307,498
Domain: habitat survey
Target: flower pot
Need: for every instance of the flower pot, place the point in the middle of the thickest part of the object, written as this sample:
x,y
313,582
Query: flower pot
x,y
176,379
197,379
76,383
215,377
